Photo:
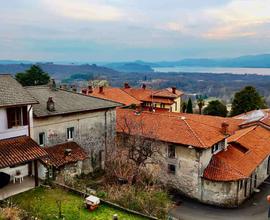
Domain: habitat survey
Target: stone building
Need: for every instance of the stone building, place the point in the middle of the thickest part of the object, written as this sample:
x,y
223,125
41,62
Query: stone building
x,y
168,100
62,116
215,160
19,154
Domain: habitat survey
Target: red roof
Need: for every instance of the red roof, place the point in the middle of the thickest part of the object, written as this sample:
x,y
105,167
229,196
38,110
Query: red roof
x,y
187,129
248,148
115,94
57,156
18,150
164,96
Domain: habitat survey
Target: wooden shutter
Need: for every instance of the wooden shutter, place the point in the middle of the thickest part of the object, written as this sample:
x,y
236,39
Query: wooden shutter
x,y
10,115
25,115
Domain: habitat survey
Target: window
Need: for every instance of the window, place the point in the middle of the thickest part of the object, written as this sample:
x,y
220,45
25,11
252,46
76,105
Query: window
x,y
70,133
214,148
162,105
171,169
171,151
240,184
255,180
17,116
175,106
246,184
41,139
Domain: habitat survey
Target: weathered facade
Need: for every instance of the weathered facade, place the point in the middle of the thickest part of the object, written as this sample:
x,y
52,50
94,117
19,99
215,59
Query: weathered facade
x,y
218,161
88,121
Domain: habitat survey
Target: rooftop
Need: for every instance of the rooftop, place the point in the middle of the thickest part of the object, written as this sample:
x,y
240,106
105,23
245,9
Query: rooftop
x,y
57,156
115,94
199,131
12,93
66,102
18,150
247,148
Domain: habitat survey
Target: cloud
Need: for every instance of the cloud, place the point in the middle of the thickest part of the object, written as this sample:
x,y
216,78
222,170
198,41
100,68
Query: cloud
x,y
92,10
239,18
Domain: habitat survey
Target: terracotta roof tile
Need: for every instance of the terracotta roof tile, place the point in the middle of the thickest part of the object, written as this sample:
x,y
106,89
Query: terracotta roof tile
x,y
57,157
17,150
188,129
248,148
115,94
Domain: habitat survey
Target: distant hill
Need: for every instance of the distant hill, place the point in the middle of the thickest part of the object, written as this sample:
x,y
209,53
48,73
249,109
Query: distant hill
x,y
130,67
58,71
252,61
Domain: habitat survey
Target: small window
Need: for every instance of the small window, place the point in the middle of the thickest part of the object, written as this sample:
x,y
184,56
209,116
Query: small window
x,y
255,180
171,169
171,151
41,139
162,105
17,116
176,106
70,133
214,148
240,184
246,185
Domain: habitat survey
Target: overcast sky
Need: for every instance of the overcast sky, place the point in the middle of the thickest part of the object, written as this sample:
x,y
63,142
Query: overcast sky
x,y
124,30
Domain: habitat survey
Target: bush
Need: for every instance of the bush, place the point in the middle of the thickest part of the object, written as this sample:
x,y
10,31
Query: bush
x,y
148,200
12,213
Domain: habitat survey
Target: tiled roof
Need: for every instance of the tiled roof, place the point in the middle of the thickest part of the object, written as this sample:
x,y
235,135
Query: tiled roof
x,y
248,148
149,95
115,94
12,93
199,131
57,157
17,150
168,93
66,102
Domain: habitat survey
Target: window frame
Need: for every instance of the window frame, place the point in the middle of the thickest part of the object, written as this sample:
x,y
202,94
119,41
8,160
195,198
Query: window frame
x,y
70,132
169,148
214,148
17,116
171,171
43,138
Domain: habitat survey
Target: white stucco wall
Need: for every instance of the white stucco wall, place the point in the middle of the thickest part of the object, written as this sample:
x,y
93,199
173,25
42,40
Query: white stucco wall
x,y
12,132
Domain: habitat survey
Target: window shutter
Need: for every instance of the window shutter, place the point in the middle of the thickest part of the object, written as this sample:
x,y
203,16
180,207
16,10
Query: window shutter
x,y
25,115
9,117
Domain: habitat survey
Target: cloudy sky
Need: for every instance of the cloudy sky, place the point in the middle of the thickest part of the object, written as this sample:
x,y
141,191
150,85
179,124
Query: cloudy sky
x,y
121,30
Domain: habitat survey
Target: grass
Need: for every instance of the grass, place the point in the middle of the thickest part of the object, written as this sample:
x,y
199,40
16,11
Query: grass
x,y
42,203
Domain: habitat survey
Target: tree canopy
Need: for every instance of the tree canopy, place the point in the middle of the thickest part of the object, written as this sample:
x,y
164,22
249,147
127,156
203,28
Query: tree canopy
x,y
189,106
216,108
247,99
33,77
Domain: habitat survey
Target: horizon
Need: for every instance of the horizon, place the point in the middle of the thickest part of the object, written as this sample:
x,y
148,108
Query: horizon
x,y
124,31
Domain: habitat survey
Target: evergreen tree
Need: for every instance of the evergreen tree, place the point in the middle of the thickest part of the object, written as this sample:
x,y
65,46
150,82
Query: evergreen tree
x,y
200,103
33,77
216,108
247,99
184,107
189,106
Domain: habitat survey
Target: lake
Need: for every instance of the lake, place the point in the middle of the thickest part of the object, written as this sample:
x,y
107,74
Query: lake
x,y
259,71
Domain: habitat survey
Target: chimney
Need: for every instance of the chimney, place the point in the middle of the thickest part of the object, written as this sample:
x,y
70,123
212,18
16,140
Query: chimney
x,y
68,152
90,89
101,89
50,104
224,128
126,85
84,91
143,86
174,90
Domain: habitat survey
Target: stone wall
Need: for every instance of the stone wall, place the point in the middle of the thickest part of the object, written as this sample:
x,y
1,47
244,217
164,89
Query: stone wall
x,y
94,131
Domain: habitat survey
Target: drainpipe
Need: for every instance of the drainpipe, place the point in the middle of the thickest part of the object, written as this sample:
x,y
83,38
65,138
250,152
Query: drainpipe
x,y
28,120
105,134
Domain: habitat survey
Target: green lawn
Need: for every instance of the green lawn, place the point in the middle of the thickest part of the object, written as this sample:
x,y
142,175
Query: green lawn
x,y
42,202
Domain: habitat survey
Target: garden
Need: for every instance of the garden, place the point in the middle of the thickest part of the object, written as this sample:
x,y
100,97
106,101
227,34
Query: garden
x,y
56,203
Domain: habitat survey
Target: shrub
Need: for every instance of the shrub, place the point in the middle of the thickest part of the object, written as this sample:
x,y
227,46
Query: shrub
x,y
12,213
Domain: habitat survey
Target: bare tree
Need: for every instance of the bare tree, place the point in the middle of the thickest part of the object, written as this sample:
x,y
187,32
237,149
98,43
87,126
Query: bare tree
x,y
140,142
